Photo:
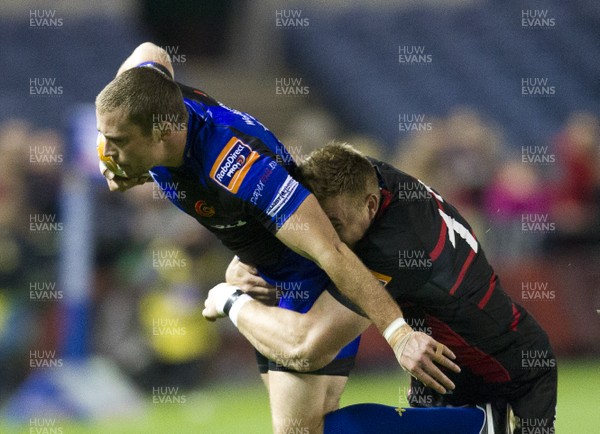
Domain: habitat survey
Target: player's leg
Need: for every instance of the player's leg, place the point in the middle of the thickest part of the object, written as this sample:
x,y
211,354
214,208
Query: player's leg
x,y
300,401
536,409
383,419
470,391
263,368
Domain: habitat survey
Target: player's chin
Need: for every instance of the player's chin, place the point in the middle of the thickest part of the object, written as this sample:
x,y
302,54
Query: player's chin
x,y
130,172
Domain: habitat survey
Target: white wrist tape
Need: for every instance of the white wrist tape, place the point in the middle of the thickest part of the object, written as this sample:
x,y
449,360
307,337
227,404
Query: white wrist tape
x,y
394,325
236,306
222,293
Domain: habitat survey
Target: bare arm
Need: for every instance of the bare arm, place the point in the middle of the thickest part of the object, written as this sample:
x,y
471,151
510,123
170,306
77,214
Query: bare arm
x,y
147,52
416,352
323,246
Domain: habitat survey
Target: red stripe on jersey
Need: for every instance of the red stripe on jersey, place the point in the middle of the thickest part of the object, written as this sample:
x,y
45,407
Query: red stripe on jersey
x,y
489,292
463,271
199,93
516,316
479,362
436,252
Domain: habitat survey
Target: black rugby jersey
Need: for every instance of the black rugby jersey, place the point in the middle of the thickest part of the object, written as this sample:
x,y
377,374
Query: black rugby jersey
x,y
427,256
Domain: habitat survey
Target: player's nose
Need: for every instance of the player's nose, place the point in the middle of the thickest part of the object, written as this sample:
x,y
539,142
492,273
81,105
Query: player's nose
x,y
109,151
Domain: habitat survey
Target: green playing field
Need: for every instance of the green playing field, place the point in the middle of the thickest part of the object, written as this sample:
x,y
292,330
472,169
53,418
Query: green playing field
x,y
227,408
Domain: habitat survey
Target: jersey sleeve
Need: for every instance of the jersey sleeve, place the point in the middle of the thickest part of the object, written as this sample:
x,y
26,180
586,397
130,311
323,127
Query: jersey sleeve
x,y
157,67
248,169
345,301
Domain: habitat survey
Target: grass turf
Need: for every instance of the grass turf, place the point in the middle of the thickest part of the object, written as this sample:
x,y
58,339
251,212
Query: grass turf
x,y
227,408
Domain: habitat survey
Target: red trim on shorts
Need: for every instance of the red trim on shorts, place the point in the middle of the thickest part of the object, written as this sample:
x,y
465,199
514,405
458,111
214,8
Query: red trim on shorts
x,y
479,362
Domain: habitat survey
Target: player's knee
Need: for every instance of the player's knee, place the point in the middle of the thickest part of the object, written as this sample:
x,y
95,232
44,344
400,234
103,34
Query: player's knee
x,y
311,358
303,354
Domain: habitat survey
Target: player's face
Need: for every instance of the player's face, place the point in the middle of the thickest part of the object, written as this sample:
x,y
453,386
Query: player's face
x,y
350,217
126,144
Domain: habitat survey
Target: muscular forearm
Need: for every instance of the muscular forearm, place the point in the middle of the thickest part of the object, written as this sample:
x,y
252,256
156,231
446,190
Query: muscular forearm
x,y
355,281
351,277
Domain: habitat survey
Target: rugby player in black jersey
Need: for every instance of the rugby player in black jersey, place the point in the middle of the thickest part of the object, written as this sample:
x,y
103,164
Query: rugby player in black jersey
x,y
432,264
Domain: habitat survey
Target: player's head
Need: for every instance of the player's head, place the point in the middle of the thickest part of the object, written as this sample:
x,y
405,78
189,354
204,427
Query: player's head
x,y
137,112
345,184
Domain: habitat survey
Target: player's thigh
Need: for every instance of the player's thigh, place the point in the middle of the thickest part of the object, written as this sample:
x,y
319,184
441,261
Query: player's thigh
x,y
301,401
537,407
265,380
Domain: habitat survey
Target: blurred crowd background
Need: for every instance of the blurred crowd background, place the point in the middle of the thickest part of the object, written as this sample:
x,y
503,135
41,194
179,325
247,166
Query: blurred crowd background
x,y
497,111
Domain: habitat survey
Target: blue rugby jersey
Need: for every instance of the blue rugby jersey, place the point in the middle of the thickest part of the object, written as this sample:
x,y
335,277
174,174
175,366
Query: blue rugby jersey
x,y
236,180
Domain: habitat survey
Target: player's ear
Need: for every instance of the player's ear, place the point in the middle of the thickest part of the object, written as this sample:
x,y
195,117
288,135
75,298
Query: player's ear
x,y
372,204
162,130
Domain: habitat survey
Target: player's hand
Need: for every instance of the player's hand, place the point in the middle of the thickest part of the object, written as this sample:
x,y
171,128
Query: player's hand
x,y
246,278
118,183
419,354
214,303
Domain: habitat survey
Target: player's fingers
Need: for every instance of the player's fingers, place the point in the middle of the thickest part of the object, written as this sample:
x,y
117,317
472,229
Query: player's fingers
x,y
105,171
439,377
259,291
249,268
441,358
112,185
428,381
448,353
206,314
259,282
253,284
266,296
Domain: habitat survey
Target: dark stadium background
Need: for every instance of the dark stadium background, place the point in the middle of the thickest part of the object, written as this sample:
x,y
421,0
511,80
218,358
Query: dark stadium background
x,y
495,104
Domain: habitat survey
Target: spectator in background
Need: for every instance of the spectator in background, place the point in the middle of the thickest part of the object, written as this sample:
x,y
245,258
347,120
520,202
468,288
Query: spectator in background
x,y
148,308
459,154
575,207
29,170
515,192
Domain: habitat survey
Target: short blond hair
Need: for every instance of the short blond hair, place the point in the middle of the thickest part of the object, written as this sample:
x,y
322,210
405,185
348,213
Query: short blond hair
x,y
144,95
338,169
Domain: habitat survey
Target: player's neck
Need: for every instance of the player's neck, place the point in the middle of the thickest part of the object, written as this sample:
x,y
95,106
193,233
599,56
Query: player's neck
x,y
174,147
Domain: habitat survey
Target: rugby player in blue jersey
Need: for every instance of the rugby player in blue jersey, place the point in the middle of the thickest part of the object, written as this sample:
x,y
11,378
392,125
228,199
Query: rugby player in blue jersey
x,y
238,183
434,267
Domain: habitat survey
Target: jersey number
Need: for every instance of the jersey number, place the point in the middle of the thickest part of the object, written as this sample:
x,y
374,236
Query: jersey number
x,y
453,225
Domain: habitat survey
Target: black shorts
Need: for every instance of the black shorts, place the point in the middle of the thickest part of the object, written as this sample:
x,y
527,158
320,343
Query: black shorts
x,y
340,367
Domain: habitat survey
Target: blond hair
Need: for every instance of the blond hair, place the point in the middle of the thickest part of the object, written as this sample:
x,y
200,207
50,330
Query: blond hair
x,y
338,169
145,95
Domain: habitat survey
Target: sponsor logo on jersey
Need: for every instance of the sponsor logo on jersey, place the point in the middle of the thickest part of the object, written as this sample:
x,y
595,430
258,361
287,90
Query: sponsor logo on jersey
x,y
232,164
383,279
258,190
229,226
282,197
203,209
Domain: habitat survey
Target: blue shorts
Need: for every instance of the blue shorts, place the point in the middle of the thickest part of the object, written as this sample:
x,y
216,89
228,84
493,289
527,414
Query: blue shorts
x,y
299,282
